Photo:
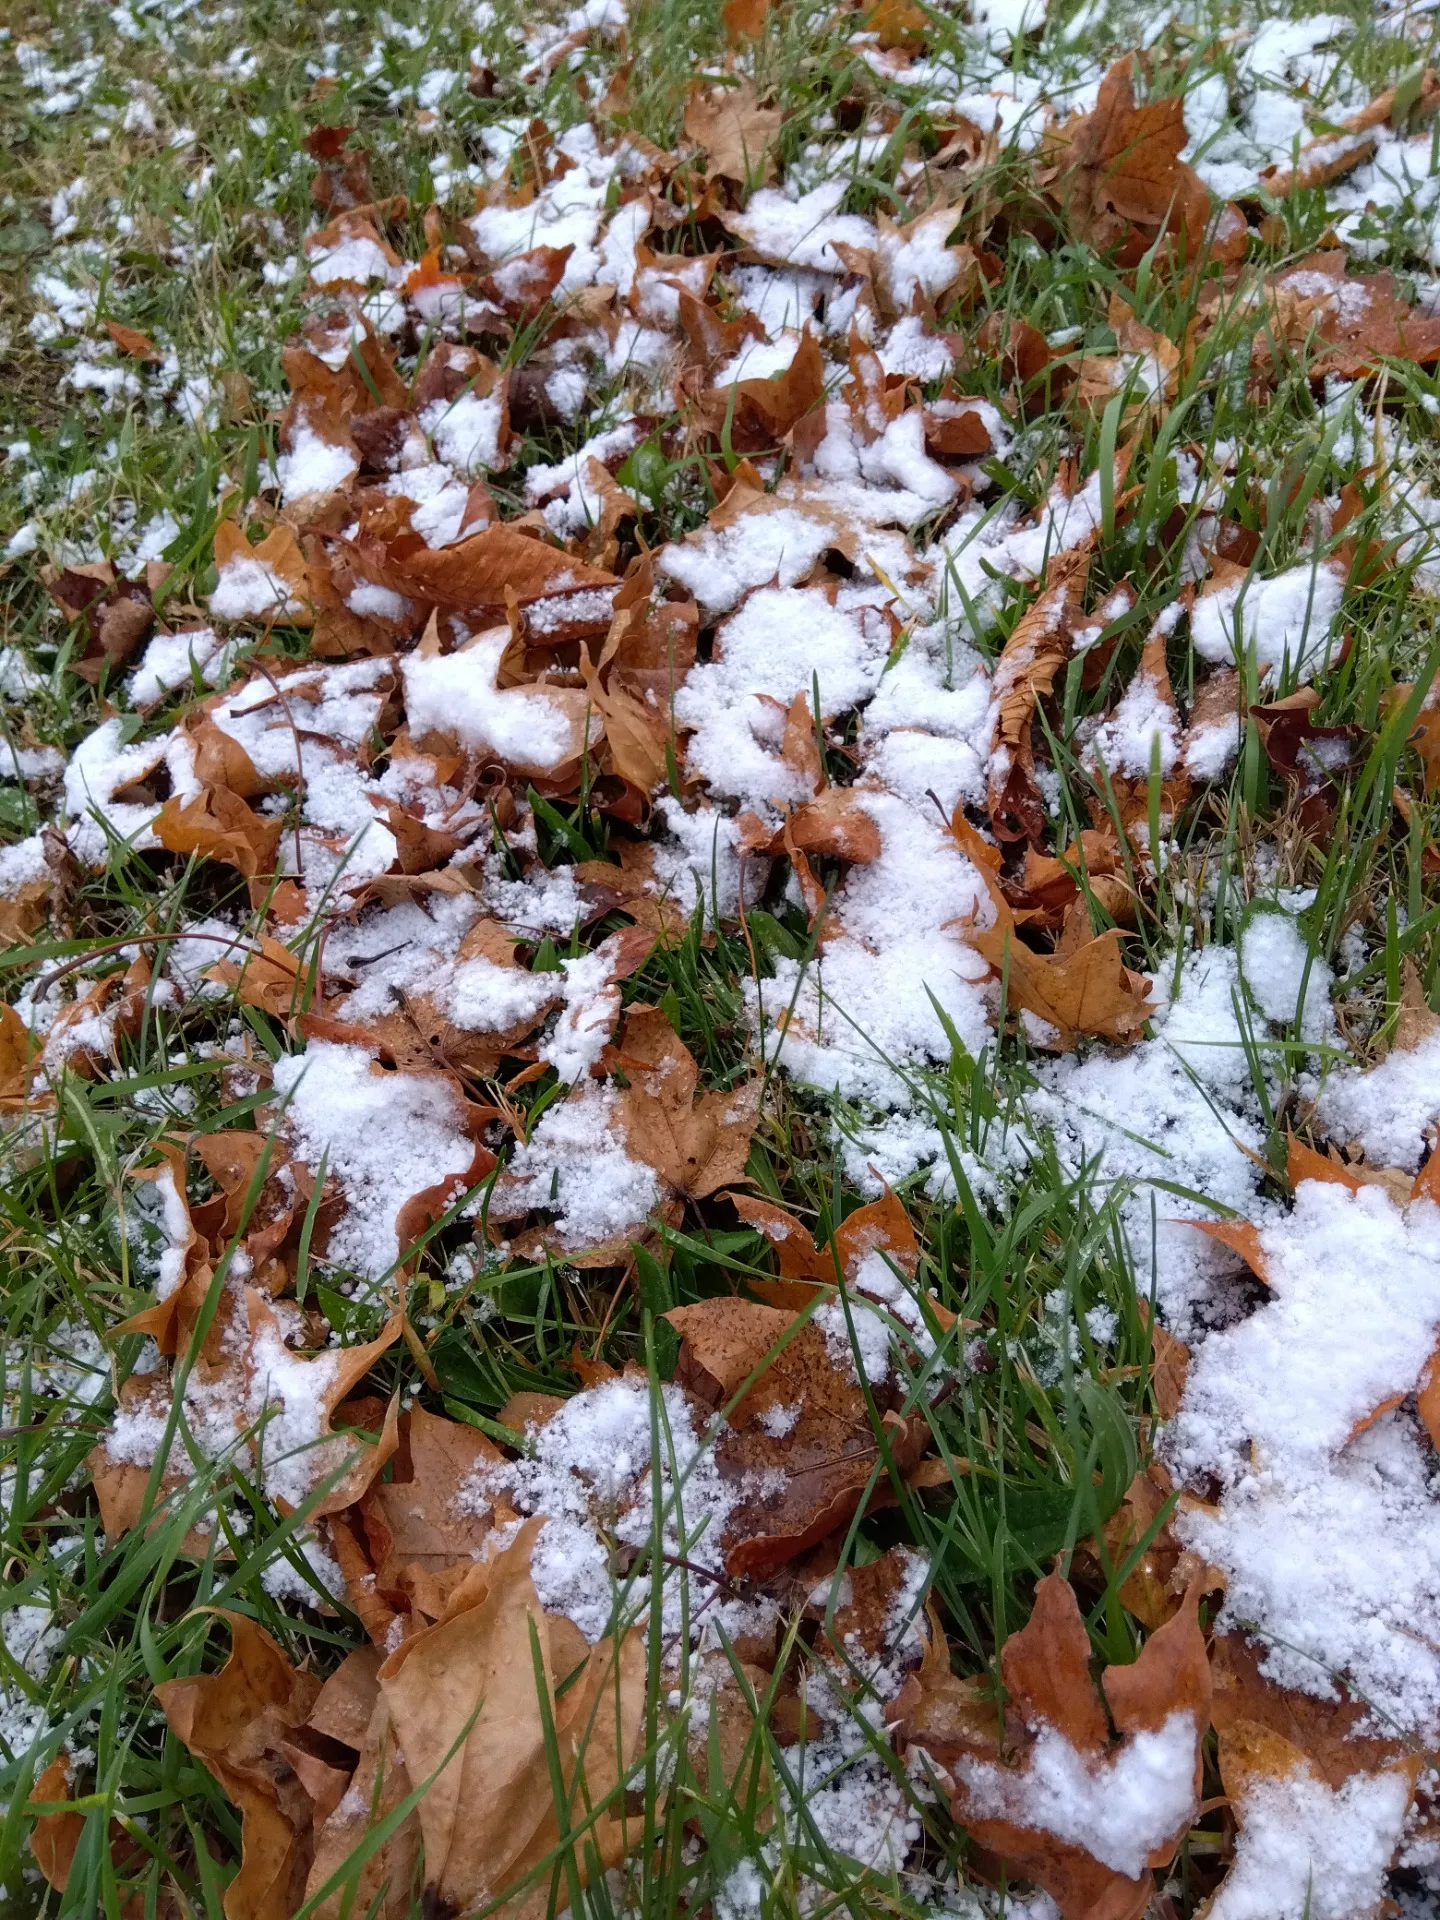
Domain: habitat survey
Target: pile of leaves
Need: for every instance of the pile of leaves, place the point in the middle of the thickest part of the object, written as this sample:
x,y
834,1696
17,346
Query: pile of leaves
x,y
468,756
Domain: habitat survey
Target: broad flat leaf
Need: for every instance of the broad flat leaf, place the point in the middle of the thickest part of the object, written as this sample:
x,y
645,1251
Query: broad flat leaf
x,y
803,1427
236,1723
696,1142
734,130
1120,164
1089,990
130,340
469,1683
477,573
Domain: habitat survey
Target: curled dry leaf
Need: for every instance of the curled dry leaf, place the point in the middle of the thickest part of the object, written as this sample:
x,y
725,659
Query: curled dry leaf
x,y
1335,154
882,1227
1025,674
219,825
418,1543
117,615
1055,1727
762,412
1155,1588
238,1724
468,1708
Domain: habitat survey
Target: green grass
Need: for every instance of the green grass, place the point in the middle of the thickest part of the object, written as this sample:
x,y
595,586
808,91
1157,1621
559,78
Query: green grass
x,y
172,239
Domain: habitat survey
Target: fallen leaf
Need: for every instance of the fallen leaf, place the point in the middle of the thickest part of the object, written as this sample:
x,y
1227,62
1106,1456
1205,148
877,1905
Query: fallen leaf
x,y
420,1542
477,573
218,825
744,19
236,1722
799,1445
1242,1237
1333,155
19,1048
1089,990
465,1701
1025,673
761,412
696,1142
733,129
1055,1724
1119,166
129,340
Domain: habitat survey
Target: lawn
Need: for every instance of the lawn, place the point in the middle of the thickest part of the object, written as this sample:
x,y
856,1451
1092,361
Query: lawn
x,y
720,1028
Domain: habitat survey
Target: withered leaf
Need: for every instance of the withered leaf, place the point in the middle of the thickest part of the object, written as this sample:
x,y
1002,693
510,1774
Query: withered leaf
x,y
1089,990
478,572
1025,673
236,1722
463,1698
130,340
819,1460
696,1142
1053,1705
733,129
219,825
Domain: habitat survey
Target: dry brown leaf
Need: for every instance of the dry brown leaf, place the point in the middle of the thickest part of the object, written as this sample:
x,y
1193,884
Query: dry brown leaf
x,y
280,552
744,19
420,1543
130,340
1025,674
117,615
1119,165
899,25
1333,155
1089,990
19,1048
465,1702
812,1476
23,912
1242,1237
478,573
218,825
696,1142
1424,735
55,1836
1145,364
734,130
236,1722
881,1227
761,412
1046,1669
273,980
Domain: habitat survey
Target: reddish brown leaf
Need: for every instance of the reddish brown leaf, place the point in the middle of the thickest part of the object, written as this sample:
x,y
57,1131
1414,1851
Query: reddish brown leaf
x,y
129,340
803,1428
218,825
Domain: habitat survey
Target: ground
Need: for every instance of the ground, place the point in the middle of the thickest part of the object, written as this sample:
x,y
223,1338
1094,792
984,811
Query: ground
x,y
719,1070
